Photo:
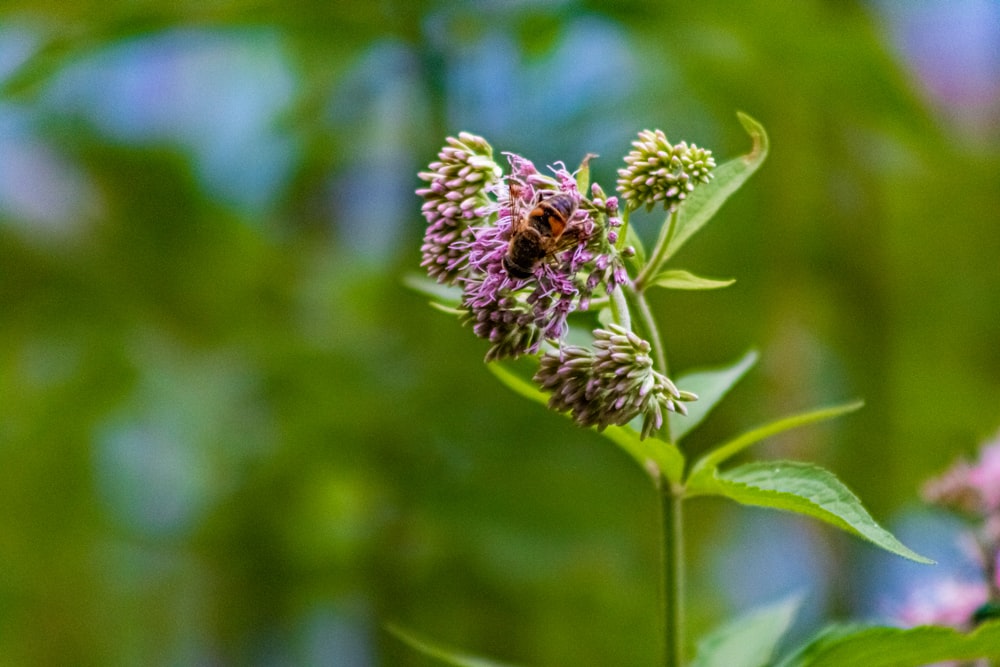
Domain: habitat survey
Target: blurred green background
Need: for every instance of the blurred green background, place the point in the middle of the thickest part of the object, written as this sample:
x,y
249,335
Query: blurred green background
x,y
228,433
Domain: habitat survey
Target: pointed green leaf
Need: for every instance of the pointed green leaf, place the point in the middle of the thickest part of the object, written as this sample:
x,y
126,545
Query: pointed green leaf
x,y
707,198
446,655
710,385
896,647
714,458
666,457
748,641
808,490
680,279
583,174
448,310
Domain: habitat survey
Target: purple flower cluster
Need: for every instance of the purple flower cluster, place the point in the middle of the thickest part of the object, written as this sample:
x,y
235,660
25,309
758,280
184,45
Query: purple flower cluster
x,y
455,200
945,602
473,215
972,489
530,248
611,384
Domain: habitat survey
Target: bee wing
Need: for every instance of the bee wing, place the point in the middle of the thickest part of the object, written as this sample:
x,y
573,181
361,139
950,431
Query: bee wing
x,y
515,200
569,238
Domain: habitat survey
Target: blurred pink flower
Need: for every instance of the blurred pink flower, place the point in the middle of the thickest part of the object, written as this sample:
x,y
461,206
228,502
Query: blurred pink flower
x,y
985,476
973,488
946,602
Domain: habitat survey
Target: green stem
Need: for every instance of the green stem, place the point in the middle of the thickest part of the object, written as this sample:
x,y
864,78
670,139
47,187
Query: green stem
x,y
659,255
672,578
653,331
671,496
619,308
671,518
653,335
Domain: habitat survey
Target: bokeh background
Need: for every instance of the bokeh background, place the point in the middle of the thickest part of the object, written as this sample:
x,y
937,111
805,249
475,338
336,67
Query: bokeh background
x,y
230,435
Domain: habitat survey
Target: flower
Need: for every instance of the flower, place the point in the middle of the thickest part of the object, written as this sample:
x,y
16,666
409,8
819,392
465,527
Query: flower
x,y
611,384
455,200
657,171
971,488
945,602
508,324
475,215
985,476
517,313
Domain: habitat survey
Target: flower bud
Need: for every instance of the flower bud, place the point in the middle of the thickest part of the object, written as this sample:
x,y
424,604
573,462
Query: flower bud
x,y
611,384
455,199
658,171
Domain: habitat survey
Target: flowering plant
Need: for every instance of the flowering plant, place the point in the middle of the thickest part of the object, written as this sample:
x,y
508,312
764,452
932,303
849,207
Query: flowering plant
x,y
971,490
518,252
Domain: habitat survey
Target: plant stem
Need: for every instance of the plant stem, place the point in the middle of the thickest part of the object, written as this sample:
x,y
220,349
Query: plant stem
x,y
659,253
653,333
671,495
671,518
672,577
619,308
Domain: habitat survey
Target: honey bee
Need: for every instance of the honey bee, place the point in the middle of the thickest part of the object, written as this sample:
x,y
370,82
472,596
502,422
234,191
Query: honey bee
x,y
542,232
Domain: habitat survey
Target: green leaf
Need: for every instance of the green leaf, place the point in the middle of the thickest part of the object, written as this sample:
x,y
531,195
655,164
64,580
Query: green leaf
x,y
712,459
667,458
809,490
710,385
748,641
446,655
583,174
680,279
518,384
837,646
448,310
443,295
707,198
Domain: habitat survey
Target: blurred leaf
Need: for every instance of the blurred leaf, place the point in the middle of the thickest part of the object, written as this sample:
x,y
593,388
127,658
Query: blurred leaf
x,y
446,655
717,456
751,639
448,310
707,198
667,457
711,386
446,295
518,384
805,489
895,647
680,279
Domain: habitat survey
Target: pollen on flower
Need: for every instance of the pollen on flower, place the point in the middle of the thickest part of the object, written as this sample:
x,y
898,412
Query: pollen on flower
x,y
657,171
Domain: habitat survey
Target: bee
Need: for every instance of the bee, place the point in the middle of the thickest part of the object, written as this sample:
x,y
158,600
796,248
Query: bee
x,y
545,230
